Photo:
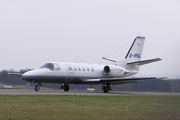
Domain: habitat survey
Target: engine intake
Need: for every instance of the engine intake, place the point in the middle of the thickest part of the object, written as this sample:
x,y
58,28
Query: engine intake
x,y
106,70
113,71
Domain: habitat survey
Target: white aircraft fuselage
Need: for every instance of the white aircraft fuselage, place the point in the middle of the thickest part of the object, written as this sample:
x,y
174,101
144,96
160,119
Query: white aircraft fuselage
x,y
74,73
113,72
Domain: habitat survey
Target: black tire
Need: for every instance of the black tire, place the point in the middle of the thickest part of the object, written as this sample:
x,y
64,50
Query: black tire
x,y
66,88
37,88
106,90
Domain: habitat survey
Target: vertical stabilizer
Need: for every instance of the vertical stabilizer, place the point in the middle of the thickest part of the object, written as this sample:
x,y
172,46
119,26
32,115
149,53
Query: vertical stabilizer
x,y
134,55
135,52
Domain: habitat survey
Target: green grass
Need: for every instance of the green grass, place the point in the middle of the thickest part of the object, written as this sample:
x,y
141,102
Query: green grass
x,y
54,107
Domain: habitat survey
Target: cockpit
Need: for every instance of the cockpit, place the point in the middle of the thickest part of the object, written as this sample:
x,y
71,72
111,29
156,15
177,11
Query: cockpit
x,y
51,66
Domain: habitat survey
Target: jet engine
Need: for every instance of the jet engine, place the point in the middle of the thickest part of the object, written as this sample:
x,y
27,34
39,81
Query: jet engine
x,y
113,71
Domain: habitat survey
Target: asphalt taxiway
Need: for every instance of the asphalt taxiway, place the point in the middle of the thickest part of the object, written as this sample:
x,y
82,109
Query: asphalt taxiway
x,y
88,93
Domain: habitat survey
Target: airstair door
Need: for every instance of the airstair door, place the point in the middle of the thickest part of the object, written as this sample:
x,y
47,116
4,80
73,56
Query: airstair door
x,y
70,73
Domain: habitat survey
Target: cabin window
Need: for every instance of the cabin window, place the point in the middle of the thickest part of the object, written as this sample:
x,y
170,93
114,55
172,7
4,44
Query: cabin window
x,y
87,68
70,68
92,69
74,68
83,68
79,68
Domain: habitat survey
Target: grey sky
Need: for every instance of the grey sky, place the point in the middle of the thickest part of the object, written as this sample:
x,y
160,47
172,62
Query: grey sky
x,y
36,31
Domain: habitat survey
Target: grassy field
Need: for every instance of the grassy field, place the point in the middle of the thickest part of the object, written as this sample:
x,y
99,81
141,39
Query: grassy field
x,y
54,107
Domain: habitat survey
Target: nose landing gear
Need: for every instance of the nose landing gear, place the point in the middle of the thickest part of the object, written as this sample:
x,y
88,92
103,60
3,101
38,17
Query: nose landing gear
x,y
37,87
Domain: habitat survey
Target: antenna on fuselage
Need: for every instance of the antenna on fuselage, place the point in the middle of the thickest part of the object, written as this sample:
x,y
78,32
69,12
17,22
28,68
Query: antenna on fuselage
x,y
114,53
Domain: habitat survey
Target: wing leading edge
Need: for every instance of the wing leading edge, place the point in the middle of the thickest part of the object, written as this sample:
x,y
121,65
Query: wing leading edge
x,y
121,80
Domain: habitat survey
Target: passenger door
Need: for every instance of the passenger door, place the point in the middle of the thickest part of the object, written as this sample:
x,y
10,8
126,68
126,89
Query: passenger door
x,y
70,73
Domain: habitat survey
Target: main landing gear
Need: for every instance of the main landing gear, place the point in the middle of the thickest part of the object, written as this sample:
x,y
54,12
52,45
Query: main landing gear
x,y
106,87
65,87
37,87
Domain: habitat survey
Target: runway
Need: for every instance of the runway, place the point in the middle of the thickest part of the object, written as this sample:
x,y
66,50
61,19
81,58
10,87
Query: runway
x,y
87,93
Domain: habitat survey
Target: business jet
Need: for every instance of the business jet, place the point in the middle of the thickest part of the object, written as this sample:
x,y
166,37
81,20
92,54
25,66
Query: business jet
x,y
113,72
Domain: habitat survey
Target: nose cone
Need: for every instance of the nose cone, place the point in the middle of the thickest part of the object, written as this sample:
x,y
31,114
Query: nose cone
x,y
35,74
28,75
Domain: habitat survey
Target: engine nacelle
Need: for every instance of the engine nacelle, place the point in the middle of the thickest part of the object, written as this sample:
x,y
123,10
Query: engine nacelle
x,y
113,71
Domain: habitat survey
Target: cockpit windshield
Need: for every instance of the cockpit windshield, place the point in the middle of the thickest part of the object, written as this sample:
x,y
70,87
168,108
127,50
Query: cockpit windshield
x,y
48,65
51,66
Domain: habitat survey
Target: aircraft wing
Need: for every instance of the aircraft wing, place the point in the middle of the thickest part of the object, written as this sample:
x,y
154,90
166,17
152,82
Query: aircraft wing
x,y
121,80
16,74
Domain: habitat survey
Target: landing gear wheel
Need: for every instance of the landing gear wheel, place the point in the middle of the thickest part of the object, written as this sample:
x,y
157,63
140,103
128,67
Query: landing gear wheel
x,y
37,88
66,87
105,89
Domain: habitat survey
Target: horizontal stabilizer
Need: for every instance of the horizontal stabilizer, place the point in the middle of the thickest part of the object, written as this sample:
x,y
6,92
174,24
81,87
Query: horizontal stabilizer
x,y
142,62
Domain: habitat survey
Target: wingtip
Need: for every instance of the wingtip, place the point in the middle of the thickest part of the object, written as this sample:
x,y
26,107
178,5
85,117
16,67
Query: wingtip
x,y
158,58
161,78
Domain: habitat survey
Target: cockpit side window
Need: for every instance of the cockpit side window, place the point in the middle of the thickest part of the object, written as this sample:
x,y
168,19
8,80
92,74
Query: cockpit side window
x,y
48,65
56,67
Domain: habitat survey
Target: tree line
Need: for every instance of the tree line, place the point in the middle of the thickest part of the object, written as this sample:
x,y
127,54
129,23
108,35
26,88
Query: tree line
x,y
143,86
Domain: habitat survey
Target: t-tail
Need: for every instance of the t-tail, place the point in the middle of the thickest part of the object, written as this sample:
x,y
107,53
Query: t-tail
x,y
132,60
